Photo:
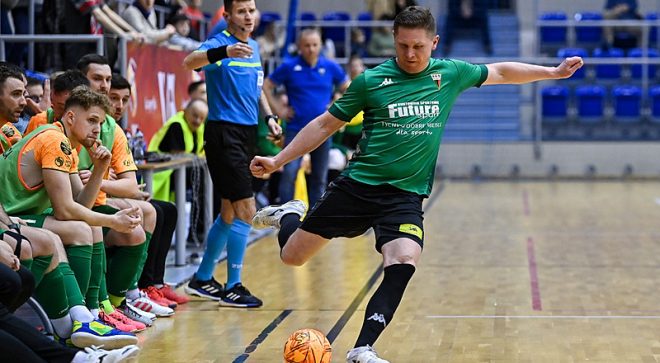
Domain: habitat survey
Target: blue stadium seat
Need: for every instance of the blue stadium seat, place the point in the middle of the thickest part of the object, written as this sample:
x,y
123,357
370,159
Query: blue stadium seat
x,y
590,103
627,103
267,17
555,102
588,34
366,16
336,33
653,31
307,16
637,68
608,71
654,95
572,52
553,34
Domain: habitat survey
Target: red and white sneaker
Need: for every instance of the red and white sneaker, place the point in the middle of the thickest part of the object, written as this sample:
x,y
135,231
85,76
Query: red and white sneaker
x,y
156,296
107,319
136,314
169,293
117,314
145,304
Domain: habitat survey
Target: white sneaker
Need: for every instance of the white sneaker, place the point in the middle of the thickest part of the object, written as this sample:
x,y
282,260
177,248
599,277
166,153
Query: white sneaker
x,y
270,216
145,304
364,354
97,355
136,314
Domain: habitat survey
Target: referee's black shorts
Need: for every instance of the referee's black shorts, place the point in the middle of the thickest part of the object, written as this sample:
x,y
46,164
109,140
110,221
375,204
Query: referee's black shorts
x,y
349,208
229,149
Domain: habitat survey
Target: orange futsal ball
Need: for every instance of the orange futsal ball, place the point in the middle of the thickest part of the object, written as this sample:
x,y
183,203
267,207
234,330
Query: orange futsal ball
x,y
307,346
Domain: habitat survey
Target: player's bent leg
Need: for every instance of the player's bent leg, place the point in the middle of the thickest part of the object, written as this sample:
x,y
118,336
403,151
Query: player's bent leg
x,y
302,246
401,250
77,238
72,233
43,245
399,259
14,239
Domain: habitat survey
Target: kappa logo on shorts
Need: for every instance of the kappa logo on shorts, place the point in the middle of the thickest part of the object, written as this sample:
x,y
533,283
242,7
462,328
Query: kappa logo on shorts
x,y
411,229
65,147
59,161
378,318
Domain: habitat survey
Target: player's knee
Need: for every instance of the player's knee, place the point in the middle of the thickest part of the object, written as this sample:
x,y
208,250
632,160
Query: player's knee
x,y
78,234
292,259
246,213
148,215
134,238
51,243
400,259
137,237
44,243
26,251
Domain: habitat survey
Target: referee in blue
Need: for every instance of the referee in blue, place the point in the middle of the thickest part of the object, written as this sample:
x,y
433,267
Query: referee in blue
x,y
234,78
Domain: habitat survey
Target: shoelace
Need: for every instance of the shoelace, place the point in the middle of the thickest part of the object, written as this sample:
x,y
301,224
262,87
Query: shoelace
x,y
121,317
241,289
153,290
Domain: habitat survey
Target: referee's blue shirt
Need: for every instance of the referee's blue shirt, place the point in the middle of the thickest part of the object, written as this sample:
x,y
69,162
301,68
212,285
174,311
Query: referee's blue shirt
x,y
309,89
233,84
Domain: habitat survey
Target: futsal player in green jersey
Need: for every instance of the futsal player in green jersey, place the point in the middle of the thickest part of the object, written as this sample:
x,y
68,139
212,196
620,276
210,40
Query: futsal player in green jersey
x,y
406,102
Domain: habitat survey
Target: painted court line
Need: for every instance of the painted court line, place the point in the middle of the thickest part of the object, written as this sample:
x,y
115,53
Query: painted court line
x,y
543,317
526,208
533,275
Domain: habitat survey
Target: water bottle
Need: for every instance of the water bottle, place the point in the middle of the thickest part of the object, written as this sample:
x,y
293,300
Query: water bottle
x,y
139,146
129,139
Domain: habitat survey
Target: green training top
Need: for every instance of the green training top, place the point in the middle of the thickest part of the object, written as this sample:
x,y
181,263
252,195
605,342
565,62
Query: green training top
x,y
404,117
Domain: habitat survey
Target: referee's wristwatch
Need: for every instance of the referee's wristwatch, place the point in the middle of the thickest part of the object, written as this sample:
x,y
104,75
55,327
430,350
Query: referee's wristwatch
x,y
269,117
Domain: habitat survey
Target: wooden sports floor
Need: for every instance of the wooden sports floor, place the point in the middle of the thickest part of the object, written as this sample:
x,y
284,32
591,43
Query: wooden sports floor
x,y
511,272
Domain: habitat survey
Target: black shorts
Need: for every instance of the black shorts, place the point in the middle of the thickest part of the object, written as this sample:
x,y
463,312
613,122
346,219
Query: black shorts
x,y
229,149
349,208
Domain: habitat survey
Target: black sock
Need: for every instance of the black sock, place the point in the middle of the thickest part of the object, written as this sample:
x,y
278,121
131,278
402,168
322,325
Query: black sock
x,y
288,224
383,303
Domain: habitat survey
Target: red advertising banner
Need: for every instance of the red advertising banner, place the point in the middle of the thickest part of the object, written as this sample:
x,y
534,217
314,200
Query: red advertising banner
x,y
159,86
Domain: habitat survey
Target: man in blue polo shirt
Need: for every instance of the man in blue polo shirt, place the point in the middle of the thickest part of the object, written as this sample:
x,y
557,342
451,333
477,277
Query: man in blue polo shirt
x,y
234,78
310,80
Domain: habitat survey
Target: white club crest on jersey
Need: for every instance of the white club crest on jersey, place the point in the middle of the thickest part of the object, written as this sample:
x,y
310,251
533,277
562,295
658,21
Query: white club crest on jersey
x,y
437,78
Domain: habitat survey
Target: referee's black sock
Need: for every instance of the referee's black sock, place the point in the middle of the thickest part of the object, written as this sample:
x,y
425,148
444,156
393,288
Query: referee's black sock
x,y
383,303
288,224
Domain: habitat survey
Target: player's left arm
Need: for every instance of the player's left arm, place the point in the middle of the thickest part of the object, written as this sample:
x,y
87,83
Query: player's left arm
x,y
520,73
125,186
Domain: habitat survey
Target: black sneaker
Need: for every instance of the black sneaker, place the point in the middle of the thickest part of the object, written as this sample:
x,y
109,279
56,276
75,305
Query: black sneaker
x,y
239,297
209,289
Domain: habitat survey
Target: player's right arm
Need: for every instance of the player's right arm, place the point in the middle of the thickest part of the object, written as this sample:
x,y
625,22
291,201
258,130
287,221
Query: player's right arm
x,y
308,139
208,53
58,186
